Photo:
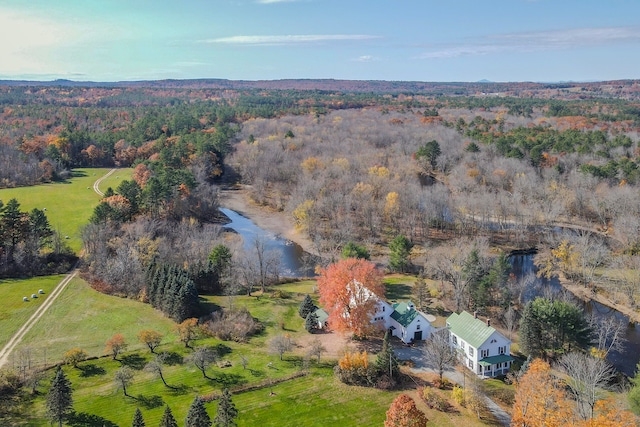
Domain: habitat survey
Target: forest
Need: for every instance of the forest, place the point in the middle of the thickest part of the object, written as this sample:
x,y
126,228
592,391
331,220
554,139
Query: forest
x,y
439,181
360,166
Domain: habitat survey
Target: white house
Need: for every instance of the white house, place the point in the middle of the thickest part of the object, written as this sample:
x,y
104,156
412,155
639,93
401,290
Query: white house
x,y
403,320
482,349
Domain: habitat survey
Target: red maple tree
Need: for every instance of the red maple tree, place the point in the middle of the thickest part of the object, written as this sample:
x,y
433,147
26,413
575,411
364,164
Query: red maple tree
x,y
349,290
404,413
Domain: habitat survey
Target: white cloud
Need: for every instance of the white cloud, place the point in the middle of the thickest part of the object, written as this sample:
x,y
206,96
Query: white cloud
x,y
366,58
540,41
26,40
288,39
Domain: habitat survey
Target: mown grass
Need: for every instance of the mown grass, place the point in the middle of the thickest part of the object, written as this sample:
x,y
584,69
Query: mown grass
x,y
85,318
14,310
316,399
70,203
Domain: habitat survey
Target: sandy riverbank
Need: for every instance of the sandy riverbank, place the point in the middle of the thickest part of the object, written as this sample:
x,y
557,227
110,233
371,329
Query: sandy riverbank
x,y
585,294
264,217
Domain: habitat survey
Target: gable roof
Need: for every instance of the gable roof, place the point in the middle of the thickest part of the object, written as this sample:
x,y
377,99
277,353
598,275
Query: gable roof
x,y
322,316
403,314
469,329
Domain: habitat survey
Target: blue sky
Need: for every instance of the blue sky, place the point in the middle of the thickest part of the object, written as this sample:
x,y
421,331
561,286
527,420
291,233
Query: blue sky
x,y
423,40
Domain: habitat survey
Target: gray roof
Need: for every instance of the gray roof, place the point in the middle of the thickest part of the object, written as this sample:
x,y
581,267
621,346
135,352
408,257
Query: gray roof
x,y
322,316
469,329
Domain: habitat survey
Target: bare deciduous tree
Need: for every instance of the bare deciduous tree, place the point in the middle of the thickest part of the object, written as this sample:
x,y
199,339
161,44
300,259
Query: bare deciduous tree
x,y
439,352
587,376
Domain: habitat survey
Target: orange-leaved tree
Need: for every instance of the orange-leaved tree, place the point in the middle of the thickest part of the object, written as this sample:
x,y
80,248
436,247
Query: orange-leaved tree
x,y
116,345
403,413
349,290
540,399
151,338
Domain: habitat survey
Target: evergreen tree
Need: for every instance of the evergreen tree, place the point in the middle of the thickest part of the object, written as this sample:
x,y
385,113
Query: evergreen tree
x,y
353,250
306,306
59,399
167,419
400,248
386,362
138,421
197,415
473,272
227,412
311,322
420,291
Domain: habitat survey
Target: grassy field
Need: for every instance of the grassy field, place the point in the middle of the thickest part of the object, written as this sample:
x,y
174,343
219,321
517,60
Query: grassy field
x,y
14,310
85,318
69,204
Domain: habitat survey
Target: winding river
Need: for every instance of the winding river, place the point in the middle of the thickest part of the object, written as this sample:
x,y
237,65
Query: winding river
x,y
290,253
292,265
624,361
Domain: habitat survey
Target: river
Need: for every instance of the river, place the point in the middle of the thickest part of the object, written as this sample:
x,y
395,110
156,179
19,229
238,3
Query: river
x,y
291,255
292,258
624,361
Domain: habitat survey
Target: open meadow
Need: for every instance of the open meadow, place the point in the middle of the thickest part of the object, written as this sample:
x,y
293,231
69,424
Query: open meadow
x,y
69,203
267,392
15,311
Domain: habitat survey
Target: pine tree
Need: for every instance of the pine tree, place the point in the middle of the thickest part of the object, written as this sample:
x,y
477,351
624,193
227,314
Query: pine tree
x,y
197,415
138,421
400,249
386,362
306,306
59,400
311,322
167,419
227,412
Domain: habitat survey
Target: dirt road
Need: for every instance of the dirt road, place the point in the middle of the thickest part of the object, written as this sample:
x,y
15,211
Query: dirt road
x,y
50,299
5,352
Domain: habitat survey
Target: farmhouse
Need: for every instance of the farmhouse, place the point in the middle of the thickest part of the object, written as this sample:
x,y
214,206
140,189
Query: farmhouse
x,y
482,349
403,320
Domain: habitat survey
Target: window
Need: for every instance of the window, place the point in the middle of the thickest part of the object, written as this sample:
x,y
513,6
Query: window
x,y
462,345
383,308
418,327
484,353
470,351
471,363
455,340
502,350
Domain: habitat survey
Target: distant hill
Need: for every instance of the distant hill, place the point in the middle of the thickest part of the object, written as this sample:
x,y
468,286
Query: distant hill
x,y
625,89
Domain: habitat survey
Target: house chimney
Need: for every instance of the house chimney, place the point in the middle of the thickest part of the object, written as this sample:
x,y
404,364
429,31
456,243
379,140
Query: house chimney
x,y
488,322
475,314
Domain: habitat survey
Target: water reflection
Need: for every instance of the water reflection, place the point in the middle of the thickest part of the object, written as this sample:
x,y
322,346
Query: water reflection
x,y
624,361
291,255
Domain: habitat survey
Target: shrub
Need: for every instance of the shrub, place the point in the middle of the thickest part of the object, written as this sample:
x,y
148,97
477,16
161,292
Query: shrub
x,y
354,369
435,400
237,325
458,395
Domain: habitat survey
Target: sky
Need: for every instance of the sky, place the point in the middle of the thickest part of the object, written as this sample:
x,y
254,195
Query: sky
x,y
394,40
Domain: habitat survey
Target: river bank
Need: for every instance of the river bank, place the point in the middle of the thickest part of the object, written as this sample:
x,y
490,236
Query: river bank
x,y
277,222
585,294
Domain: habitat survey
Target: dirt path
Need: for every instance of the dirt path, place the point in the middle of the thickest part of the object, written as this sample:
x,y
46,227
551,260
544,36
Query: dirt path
x,y
17,338
96,185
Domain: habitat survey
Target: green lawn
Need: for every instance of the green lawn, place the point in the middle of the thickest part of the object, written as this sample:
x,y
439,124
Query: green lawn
x,y
69,204
85,318
14,310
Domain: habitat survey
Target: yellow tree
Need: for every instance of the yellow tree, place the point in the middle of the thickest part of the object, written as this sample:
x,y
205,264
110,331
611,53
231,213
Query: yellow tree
x,y
540,400
150,338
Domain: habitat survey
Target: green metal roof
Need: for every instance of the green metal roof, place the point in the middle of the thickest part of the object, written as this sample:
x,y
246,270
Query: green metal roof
x,y
494,360
402,314
322,315
469,329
